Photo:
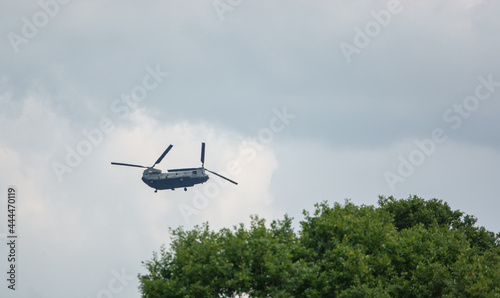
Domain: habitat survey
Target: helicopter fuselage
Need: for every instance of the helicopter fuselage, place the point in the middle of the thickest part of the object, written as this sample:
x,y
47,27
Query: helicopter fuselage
x,y
177,178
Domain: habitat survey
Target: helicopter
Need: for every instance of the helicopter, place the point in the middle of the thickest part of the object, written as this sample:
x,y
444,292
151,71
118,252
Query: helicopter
x,y
175,178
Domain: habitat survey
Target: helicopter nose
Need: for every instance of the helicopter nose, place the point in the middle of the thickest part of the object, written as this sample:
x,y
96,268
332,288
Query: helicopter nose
x,y
148,182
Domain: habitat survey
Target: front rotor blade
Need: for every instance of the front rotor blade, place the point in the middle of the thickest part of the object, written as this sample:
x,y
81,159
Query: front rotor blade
x,y
222,177
127,165
163,155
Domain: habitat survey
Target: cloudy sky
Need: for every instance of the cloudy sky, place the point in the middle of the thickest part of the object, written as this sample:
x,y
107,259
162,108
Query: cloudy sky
x,y
299,101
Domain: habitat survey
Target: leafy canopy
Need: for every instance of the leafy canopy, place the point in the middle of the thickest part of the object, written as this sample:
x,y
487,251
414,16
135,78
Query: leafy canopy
x,y
409,247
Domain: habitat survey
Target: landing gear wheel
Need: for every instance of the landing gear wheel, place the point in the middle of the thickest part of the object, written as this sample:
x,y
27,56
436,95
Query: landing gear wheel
x,y
185,189
156,190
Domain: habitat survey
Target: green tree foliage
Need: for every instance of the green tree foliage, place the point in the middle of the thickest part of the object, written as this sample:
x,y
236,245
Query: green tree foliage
x,y
413,211
403,248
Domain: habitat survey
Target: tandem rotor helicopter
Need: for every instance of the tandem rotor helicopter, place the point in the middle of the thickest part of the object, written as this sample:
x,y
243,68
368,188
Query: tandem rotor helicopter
x,y
176,178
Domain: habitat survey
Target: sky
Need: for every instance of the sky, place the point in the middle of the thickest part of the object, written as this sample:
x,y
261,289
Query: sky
x,y
298,101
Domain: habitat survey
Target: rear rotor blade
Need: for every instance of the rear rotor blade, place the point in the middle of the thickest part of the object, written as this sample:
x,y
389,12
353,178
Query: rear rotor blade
x,y
127,165
202,154
222,177
163,155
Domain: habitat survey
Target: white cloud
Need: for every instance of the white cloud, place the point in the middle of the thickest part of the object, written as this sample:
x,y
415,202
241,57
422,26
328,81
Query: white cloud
x,y
105,218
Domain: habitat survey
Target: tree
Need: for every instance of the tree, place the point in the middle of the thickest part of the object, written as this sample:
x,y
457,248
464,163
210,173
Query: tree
x,y
410,247
414,210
